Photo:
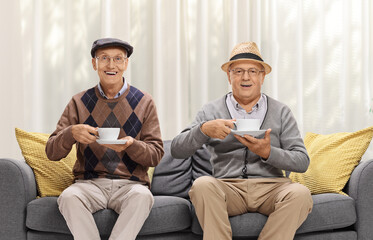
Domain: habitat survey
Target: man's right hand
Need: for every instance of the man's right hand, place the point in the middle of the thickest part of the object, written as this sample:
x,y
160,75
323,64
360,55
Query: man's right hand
x,y
84,133
219,128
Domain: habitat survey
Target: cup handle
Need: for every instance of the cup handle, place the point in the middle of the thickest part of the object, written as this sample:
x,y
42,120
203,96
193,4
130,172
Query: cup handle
x,y
235,125
95,135
98,137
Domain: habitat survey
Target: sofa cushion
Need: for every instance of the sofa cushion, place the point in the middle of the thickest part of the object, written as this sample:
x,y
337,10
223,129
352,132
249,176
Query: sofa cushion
x,y
330,211
330,235
33,235
43,215
172,177
169,214
333,157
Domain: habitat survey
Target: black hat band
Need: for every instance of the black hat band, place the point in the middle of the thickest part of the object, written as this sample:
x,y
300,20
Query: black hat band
x,y
246,55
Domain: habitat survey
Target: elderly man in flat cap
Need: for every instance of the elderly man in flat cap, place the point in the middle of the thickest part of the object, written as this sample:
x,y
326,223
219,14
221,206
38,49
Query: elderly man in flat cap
x,y
247,166
112,174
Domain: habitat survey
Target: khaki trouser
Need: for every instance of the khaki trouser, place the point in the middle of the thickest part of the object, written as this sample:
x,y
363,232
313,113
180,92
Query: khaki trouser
x,y
131,200
286,204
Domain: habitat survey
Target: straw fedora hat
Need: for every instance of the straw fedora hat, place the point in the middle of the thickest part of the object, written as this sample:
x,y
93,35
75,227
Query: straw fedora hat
x,y
246,51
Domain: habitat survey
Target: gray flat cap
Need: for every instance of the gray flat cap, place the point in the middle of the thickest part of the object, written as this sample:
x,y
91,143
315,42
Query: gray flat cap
x,y
110,42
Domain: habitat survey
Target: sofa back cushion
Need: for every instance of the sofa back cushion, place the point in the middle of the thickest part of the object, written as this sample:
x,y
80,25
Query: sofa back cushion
x,y
174,177
171,176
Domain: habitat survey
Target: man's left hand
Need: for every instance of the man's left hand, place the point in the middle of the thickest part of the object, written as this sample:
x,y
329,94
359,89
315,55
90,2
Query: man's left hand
x,y
120,147
261,147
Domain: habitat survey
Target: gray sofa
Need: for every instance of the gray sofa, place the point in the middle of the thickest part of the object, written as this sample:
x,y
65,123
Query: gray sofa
x,y
334,216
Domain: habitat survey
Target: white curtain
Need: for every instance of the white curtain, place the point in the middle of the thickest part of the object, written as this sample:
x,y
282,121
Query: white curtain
x,y
321,53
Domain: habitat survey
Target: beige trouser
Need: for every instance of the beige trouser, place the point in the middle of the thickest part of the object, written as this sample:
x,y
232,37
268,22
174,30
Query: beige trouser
x,y
131,200
286,204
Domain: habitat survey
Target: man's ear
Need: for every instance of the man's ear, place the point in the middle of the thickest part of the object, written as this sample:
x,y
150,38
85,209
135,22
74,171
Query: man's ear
x,y
94,64
262,80
125,64
229,78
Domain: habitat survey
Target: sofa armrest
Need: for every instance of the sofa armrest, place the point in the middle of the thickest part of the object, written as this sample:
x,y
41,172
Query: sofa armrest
x,y
360,188
17,188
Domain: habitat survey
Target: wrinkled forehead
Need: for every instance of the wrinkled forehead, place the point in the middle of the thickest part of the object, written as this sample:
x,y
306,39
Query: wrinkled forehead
x,y
246,64
112,51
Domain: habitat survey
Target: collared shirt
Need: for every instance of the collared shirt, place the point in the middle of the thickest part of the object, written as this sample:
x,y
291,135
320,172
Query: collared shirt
x,y
257,112
121,91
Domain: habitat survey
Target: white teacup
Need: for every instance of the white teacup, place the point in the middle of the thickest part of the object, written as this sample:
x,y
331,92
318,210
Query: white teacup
x,y
247,124
108,133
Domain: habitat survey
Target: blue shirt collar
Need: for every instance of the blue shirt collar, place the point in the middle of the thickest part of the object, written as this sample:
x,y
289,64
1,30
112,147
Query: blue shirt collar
x,y
121,91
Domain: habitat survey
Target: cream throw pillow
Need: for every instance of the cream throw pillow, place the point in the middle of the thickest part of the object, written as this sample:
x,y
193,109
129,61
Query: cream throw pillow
x,y
333,158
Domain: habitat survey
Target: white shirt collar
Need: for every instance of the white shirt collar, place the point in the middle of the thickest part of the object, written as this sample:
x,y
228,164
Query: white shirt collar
x,y
238,107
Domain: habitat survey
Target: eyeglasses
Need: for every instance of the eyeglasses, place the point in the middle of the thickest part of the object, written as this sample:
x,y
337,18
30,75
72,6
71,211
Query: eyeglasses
x,y
106,59
239,72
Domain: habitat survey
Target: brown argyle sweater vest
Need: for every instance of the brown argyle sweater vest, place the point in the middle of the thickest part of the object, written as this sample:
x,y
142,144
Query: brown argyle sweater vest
x,y
134,112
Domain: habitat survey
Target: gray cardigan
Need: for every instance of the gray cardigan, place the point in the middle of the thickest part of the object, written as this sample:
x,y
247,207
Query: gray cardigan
x,y
228,155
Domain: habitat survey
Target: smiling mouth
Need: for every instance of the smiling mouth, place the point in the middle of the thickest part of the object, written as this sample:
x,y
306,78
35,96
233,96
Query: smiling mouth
x,y
246,85
111,73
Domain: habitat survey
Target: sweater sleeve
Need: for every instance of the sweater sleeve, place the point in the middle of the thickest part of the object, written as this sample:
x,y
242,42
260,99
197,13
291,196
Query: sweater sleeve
x,y
292,154
148,150
61,140
190,139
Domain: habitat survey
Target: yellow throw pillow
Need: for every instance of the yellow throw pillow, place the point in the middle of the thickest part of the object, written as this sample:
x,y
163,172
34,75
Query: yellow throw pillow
x,y
333,158
150,173
52,177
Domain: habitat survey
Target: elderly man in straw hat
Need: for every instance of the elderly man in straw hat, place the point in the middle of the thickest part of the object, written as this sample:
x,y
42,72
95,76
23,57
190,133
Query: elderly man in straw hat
x,y
247,170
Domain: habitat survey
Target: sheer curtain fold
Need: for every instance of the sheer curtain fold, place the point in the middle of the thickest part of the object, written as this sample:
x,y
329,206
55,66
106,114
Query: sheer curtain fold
x,y
12,85
321,53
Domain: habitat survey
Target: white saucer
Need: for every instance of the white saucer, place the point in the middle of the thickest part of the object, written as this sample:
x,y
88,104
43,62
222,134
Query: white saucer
x,y
118,141
258,133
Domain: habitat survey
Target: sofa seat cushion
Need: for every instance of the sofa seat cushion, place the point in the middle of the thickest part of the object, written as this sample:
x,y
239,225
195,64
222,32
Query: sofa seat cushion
x,y
330,211
43,215
169,214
